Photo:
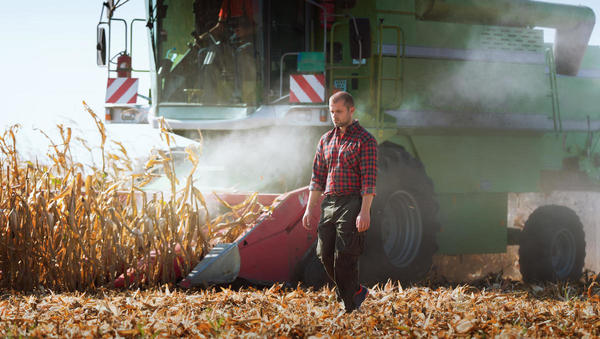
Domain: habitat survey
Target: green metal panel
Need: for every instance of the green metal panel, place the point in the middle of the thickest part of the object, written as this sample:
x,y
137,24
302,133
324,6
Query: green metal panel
x,y
591,58
578,97
189,112
472,223
444,35
311,62
467,163
495,163
554,148
475,86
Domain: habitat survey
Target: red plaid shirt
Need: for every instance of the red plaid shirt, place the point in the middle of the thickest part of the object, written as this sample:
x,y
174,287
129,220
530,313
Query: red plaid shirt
x,y
345,164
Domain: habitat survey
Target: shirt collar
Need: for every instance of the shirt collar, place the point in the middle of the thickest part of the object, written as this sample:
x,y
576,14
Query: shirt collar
x,y
353,126
350,129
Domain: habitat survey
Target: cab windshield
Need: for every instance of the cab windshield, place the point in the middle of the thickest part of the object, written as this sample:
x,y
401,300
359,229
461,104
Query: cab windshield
x,y
209,52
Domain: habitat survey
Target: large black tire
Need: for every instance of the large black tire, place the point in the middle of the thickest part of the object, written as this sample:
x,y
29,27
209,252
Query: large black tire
x,y
552,245
404,220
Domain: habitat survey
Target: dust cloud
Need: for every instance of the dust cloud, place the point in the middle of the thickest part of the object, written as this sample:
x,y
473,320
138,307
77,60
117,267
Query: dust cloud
x,y
270,160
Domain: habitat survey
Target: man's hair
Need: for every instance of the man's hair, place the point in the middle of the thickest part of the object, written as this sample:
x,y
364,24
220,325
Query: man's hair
x,y
345,96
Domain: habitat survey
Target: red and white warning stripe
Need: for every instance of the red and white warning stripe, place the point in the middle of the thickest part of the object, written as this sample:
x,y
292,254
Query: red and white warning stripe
x,y
307,88
122,90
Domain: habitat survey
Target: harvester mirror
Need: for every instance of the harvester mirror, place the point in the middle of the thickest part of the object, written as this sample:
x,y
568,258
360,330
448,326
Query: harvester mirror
x,y
360,38
101,47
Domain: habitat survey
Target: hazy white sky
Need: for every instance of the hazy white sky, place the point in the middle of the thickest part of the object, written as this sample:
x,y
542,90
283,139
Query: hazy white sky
x,y
49,63
49,60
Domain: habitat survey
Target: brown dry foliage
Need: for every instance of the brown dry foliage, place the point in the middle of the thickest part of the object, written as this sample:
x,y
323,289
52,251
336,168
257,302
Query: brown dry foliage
x,y
66,228
494,308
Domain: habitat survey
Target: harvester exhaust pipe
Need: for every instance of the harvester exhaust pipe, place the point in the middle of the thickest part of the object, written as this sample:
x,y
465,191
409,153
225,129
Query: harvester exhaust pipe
x,y
573,24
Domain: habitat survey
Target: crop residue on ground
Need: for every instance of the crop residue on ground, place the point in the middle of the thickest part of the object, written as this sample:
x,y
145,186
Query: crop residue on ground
x,y
494,308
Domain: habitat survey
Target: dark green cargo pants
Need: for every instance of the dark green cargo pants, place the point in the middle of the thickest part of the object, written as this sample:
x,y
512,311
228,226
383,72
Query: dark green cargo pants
x,y
340,244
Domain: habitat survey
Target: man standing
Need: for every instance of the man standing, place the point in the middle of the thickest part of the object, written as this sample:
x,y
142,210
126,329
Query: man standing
x,y
345,171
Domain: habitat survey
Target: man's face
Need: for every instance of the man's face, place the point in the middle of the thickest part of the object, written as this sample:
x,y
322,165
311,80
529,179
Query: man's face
x,y
340,114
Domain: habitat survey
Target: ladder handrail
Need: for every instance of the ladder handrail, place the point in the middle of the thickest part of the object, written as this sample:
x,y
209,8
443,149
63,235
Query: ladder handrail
x,y
553,90
399,78
330,67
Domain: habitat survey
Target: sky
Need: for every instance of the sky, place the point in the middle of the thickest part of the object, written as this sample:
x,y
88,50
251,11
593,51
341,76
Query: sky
x,y
49,60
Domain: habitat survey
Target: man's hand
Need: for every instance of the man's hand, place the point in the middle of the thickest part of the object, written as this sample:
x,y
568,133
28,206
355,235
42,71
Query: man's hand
x,y
363,221
310,218
312,213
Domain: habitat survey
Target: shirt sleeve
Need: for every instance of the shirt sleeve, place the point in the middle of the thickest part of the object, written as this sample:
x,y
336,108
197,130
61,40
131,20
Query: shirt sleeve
x,y
368,166
319,173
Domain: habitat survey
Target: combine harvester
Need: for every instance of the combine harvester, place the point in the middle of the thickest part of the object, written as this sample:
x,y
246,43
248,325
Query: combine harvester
x,y
467,102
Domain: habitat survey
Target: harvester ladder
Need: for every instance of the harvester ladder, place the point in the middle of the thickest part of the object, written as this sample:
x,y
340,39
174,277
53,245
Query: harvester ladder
x,y
553,90
332,69
398,78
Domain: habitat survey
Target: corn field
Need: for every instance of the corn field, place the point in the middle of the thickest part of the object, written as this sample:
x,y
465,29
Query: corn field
x,y
66,227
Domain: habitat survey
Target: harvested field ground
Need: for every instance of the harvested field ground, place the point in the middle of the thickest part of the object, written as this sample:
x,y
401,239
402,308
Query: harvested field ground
x,y
489,307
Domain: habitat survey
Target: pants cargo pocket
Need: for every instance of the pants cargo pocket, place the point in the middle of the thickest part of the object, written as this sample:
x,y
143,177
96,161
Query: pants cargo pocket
x,y
358,243
350,243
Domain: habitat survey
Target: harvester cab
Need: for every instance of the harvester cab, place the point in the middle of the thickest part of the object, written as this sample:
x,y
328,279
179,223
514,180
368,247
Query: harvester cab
x,y
227,65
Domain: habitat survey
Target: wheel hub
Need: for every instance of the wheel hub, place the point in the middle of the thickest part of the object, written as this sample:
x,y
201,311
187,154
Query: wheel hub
x,y
402,228
563,253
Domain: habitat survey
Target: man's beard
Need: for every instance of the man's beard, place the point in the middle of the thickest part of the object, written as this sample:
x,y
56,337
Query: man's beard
x,y
342,123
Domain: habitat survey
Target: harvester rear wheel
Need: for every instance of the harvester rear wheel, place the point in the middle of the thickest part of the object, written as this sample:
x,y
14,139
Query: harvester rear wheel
x,y
552,245
404,220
